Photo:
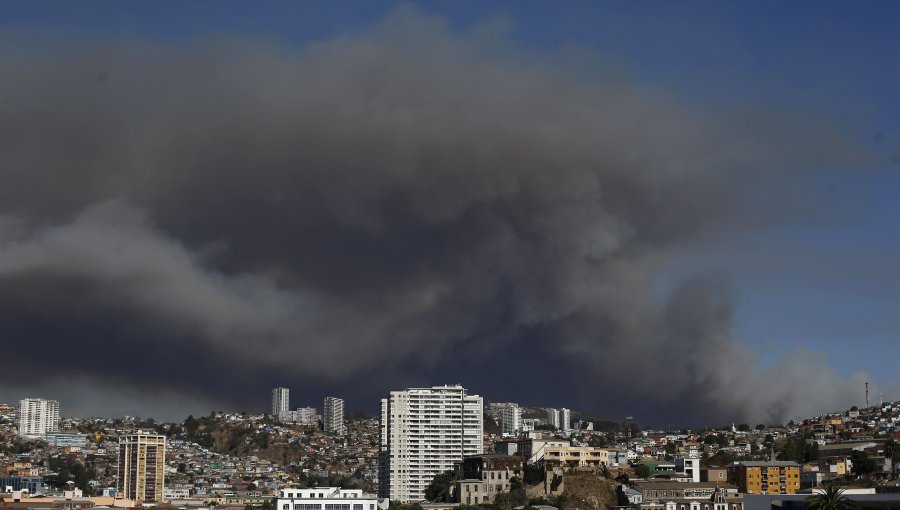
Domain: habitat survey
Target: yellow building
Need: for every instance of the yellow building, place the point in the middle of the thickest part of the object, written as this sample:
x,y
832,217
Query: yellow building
x,y
142,463
782,477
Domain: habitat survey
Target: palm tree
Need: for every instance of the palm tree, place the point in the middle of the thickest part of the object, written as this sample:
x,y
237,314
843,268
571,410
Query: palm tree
x,y
832,498
892,451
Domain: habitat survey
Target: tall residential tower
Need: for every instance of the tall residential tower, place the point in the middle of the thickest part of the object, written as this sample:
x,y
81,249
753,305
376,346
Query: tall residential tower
x,y
333,416
142,466
281,402
511,420
425,431
38,416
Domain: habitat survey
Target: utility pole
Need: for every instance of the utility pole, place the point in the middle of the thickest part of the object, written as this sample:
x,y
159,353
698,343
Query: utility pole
x,y
867,394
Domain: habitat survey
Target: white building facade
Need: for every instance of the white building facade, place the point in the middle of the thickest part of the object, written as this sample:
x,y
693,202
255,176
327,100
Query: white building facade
x,y
511,420
303,416
565,420
333,416
553,417
38,416
281,403
426,431
325,498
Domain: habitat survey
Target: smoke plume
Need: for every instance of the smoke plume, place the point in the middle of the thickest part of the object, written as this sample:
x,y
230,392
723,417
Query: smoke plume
x,y
405,206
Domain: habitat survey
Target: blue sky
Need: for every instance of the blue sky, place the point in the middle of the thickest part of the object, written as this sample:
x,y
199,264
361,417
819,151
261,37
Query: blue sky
x,y
828,282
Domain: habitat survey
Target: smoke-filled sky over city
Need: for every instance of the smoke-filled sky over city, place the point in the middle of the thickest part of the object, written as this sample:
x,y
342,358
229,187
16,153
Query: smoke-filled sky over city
x,y
683,212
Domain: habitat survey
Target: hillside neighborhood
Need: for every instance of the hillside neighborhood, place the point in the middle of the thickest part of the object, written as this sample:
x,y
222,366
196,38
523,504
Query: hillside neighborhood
x,y
238,461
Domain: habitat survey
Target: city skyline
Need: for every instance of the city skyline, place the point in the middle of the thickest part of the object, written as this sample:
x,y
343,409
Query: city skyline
x,y
684,213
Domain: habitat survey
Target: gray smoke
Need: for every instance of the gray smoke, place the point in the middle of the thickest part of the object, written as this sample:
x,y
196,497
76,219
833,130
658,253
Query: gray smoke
x,y
390,208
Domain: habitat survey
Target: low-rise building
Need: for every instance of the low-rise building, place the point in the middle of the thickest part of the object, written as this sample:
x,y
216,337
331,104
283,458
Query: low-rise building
x,y
325,498
773,477
483,477
30,484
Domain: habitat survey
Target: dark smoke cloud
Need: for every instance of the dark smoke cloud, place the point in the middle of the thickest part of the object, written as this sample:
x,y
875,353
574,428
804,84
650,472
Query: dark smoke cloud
x,y
401,207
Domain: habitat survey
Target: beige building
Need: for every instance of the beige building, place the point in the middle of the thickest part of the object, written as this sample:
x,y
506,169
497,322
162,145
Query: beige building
x,y
580,456
483,477
142,463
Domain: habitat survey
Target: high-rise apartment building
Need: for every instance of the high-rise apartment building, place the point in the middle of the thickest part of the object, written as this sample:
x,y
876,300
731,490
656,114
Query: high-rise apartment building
x,y
302,416
281,402
38,416
565,420
425,431
142,463
333,416
553,417
560,418
511,420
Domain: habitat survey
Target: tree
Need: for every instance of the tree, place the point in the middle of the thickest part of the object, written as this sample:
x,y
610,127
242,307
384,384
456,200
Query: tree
x,y
69,470
439,488
743,427
396,505
760,426
621,497
515,497
641,470
598,441
832,498
862,464
490,425
892,451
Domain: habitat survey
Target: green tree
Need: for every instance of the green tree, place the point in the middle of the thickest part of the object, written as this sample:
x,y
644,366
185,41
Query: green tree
x,y
641,470
832,498
396,505
190,426
515,497
598,441
862,464
439,488
67,470
490,425
743,427
621,497
892,451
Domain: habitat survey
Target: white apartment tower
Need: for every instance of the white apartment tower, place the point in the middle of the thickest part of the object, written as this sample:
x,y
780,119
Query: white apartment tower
x,y
333,416
511,420
425,431
565,420
281,402
553,417
560,418
38,416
